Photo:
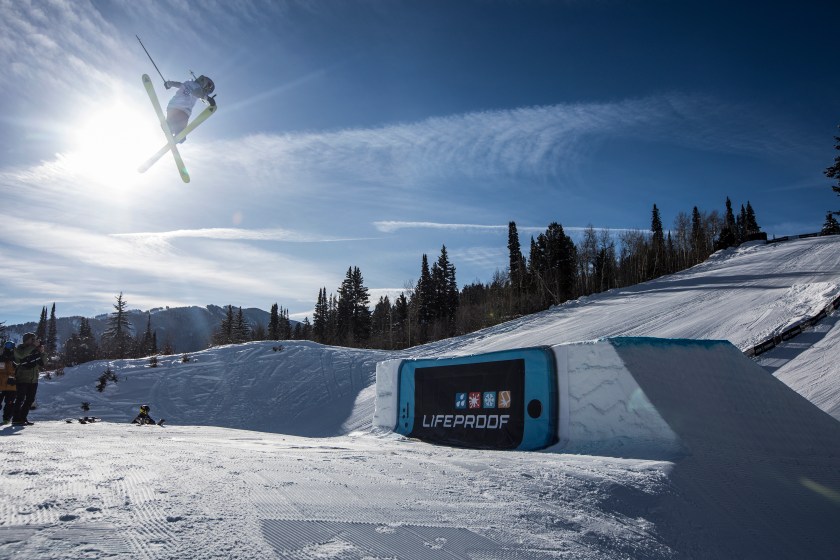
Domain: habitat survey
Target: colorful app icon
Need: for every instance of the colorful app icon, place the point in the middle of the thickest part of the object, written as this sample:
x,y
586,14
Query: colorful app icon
x,y
490,399
460,400
504,399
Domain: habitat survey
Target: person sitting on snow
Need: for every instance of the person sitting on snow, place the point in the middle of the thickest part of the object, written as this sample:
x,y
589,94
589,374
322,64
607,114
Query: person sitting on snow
x,y
143,417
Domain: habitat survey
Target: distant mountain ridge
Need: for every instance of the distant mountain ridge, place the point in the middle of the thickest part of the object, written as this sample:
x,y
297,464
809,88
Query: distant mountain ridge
x,y
187,329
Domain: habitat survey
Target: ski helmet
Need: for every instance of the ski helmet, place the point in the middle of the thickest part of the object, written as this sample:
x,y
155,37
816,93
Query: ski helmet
x,y
144,408
206,84
9,345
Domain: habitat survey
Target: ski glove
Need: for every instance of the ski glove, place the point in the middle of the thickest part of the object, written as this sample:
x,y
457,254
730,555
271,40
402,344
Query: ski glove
x,y
167,84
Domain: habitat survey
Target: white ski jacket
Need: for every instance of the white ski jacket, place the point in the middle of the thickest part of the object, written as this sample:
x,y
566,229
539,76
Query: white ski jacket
x,y
184,99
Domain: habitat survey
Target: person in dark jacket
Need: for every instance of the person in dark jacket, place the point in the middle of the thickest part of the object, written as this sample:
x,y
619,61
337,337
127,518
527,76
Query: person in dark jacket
x,y
143,417
8,390
29,358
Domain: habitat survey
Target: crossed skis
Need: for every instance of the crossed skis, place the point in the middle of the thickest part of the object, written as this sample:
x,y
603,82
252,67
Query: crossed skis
x,y
171,141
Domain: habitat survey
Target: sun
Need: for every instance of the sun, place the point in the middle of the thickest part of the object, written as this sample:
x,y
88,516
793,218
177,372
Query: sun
x,y
110,144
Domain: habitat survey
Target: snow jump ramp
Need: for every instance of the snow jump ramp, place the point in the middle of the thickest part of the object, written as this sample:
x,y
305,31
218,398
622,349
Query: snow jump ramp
x,y
624,397
754,468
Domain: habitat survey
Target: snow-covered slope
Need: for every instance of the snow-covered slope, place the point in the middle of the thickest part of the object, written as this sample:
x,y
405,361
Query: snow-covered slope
x,y
741,295
810,364
304,389
199,488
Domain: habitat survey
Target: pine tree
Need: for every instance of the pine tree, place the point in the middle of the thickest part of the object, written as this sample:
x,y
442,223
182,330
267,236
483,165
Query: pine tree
x,y
446,292
241,330
52,333
729,233
81,347
320,317
224,334
558,262
831,226
307,329
657,261
516,260
536,266
274,323
833,171
84,329
353,318
587,255
41,331
345,308
698,238
400,320
332,319
148,344
381,323
284,325
117,338
605,267
750,223
423,301
426,289
741,225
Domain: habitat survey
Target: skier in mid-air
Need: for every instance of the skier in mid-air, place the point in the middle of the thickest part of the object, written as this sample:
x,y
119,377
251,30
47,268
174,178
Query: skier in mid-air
x,y
175,122
180,107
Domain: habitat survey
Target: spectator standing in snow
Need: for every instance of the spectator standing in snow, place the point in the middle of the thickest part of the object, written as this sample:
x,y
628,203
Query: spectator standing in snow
x,y
8,392
29,358
181,105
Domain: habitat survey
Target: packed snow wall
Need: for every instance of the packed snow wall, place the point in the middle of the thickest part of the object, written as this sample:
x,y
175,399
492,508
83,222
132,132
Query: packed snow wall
x,y
593,396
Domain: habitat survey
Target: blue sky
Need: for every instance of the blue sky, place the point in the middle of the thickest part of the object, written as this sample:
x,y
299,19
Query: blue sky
x,y
367,133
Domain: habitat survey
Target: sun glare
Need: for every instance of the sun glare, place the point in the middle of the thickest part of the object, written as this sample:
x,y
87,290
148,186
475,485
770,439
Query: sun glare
x,y
109,146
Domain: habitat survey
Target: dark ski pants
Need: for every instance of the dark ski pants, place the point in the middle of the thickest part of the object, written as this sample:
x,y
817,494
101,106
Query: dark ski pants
x,y
25,398
7,403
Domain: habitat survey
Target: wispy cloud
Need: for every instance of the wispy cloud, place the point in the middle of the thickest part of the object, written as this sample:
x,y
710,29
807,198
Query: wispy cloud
x,y
536,142
230,234
65,38
392,226
79,262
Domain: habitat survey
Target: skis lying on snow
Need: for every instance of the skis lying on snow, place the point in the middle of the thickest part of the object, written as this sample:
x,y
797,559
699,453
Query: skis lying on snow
x,y
150,423
85,420
171,141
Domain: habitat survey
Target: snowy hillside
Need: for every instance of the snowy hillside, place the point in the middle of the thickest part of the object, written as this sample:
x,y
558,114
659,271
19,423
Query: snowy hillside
x,y
268,452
